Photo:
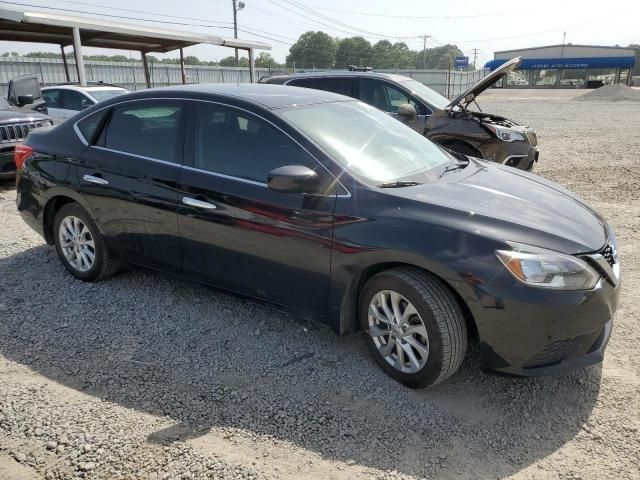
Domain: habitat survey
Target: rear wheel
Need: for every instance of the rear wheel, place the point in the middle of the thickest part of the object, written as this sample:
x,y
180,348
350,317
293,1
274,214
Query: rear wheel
x,y
80,245
416,328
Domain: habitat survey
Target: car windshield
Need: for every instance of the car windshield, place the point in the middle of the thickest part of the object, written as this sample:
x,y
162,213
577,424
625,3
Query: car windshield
x,y
102,95
369,143
430,96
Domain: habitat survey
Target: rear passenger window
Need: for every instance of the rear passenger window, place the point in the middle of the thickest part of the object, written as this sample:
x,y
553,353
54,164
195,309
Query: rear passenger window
x,y
149,129
235,143
343,86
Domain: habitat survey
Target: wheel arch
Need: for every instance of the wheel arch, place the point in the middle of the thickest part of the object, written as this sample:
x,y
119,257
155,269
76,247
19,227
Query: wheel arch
x,y
448,143
350,307
53,205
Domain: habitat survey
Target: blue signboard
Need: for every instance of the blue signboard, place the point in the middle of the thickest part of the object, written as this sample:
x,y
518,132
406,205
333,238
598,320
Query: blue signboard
x,y
462,62
590,62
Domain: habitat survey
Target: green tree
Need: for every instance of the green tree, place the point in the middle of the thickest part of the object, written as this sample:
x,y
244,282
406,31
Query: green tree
x,y
313,50
228,61
439,58
191,60
353,51
265,60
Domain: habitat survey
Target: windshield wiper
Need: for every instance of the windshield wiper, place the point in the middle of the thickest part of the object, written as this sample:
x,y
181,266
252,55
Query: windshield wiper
x,y
399,184
454,166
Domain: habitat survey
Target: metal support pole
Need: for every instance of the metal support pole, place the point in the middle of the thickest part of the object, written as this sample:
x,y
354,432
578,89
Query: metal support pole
x,y
145,65
252,66
184,77
235,26
64,62
77,50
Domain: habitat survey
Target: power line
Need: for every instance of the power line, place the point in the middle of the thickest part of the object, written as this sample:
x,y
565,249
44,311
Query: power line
x,y
428,17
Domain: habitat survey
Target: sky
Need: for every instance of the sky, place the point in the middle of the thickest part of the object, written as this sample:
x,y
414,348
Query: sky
x,y
486,26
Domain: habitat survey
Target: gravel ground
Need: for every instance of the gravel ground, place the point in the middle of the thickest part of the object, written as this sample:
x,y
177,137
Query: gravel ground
x,y
146,376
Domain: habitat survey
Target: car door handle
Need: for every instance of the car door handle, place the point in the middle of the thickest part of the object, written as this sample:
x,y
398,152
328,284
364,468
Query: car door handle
x,y
94,179
192,202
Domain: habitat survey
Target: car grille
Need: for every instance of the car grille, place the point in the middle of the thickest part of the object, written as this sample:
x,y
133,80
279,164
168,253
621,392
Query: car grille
x,y
17,132
607,253
554,352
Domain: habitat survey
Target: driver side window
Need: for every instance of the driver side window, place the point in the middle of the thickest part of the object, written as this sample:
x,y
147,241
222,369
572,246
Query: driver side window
x,y
386,97
237,144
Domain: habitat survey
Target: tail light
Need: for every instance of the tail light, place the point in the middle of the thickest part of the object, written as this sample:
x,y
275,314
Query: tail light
x,y
20,155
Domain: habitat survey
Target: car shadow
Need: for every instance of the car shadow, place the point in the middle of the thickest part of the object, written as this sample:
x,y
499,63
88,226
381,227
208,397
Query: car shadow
x,y
210,360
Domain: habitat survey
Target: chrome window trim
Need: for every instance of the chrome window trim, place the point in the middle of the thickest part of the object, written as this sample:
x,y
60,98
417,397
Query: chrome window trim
x,y
222,175
86,143
175,164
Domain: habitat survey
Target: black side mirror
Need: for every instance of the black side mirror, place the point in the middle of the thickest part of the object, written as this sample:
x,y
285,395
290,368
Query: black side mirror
x,y
25,100
407,113
292,179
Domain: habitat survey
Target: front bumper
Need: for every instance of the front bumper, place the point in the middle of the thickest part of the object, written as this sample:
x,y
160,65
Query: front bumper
x,y
532,331
521,155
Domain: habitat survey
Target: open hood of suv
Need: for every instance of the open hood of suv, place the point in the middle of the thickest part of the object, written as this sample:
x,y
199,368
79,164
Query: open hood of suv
x,y
468,96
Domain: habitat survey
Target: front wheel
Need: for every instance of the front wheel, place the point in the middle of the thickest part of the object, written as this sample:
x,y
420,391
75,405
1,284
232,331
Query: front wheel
x,y
80,245
415,327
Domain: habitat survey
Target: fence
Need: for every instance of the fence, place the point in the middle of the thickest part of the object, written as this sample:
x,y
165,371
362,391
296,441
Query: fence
x,y
130,75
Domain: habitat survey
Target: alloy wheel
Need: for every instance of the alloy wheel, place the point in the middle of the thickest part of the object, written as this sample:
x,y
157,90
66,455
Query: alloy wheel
x,y
76,243
398,331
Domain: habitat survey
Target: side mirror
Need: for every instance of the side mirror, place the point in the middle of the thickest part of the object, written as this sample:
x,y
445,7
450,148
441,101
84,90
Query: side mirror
x,y
292,179
407,113
25,100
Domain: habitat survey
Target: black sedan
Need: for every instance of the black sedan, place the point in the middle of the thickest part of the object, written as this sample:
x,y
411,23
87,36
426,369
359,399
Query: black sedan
x,y
323,204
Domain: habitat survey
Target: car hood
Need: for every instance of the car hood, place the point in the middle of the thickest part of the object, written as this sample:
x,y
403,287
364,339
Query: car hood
x,y
14,115
468,96
507,204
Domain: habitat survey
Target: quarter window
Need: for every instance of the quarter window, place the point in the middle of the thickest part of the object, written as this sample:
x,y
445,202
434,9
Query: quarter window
x,y
149,129
235,143
89,125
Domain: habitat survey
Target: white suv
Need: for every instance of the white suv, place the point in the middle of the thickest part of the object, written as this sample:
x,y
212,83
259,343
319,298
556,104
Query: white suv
x,y
64,101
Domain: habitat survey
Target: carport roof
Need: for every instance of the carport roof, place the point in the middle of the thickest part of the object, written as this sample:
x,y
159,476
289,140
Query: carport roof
x,y
42,27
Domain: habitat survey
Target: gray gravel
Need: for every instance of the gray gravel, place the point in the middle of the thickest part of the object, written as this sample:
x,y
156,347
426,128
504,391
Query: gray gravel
x,y
146,376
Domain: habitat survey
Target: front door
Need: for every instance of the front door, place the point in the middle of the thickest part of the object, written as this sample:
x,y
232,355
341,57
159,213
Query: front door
x,y
388,98
238,234
129,176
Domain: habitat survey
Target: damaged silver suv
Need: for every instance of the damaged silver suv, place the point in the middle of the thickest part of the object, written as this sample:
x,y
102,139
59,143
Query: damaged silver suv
x,y
450,123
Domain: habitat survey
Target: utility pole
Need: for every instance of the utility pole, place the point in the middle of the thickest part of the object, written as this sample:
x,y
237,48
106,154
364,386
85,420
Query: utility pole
x,y
239,6
424,52
564,37
475,55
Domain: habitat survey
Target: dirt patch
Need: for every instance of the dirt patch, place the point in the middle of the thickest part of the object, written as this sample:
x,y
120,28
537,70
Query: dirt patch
x,y
611,93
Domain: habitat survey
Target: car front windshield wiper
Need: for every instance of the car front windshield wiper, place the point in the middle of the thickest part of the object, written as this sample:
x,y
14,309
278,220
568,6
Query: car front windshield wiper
x,y
455,166
398,184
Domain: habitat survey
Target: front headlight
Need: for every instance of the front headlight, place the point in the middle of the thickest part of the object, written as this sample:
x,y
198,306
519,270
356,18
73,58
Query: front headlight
x,y
543,268
506,134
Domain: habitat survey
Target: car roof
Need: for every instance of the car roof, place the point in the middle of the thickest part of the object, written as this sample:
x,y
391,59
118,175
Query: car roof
x,y
388,76
266,95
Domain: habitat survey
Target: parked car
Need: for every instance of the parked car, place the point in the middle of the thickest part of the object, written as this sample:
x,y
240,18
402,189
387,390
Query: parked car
x,y
326,205
64,101
448,122
18,116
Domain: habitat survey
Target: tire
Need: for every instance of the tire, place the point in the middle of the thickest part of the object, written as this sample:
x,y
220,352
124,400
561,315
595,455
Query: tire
x,y
87,257
462,148
436,333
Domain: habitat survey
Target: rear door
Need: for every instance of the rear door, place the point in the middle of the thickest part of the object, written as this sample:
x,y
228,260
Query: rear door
x,y
237,233
129,176
388,98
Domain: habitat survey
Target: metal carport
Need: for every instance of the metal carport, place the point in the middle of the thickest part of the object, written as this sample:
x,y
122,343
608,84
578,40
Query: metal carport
x,y
65,30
